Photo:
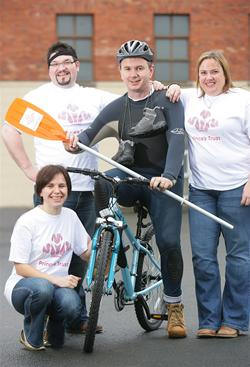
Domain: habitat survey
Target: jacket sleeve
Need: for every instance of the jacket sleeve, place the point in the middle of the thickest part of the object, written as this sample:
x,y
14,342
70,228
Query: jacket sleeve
x,y
110,113
175,138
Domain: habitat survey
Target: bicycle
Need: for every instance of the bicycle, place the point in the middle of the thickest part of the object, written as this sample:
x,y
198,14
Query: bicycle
x,y
141,282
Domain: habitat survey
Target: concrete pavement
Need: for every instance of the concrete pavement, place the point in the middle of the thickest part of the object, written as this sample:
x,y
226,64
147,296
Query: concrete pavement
x,y
123,342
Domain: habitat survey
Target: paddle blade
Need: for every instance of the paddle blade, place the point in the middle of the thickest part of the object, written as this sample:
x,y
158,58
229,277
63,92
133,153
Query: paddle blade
x,y
34,121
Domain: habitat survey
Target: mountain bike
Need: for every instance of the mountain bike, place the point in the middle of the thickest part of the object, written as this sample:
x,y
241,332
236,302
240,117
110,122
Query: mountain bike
x,y
141,283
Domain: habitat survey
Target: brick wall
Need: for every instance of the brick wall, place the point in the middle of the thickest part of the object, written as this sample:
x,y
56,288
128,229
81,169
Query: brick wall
x,y
28,27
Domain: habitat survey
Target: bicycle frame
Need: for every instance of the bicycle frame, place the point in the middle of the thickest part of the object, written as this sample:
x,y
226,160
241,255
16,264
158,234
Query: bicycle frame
x,y
114,224
139,279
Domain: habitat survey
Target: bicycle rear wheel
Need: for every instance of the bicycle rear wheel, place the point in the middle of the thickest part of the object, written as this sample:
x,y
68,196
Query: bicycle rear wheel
x,y
147,275
102,257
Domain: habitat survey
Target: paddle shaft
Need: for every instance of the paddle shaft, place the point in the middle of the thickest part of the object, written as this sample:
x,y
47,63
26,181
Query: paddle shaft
x,y
167,192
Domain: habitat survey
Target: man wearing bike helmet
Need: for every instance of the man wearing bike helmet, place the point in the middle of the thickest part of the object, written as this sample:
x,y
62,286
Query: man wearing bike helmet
x,y
151,132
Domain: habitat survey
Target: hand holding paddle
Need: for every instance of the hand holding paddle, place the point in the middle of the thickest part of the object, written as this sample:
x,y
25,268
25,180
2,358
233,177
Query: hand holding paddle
x,y
71,144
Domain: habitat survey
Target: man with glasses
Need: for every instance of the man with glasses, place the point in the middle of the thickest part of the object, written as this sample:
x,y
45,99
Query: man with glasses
x,y
74,107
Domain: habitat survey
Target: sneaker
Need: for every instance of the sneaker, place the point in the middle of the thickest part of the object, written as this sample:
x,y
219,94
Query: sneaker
x,y
83,328
27,345
176,325
149,125
125,154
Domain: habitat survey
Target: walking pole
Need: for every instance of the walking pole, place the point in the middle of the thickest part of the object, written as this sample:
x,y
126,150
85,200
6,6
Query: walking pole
x,y
166,192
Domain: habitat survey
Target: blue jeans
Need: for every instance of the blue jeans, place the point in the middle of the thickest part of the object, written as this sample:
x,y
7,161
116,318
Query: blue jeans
x,y
231,306
166,214
82,202
35,298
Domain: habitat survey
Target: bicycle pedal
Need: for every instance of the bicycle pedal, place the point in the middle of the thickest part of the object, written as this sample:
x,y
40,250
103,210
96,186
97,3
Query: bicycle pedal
x,y
108,292
159,316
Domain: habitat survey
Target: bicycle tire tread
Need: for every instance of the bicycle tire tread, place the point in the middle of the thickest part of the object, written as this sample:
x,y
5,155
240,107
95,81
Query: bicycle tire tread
x,y
97,293
146,324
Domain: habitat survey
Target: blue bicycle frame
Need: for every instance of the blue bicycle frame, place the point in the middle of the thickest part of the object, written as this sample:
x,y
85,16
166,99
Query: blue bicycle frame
x,y
114,224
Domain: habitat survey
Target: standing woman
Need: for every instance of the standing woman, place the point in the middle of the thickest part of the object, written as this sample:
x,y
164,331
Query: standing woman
x,y
217,122
42,244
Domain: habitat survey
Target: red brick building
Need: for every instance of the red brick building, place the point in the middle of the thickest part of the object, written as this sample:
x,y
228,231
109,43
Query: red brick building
x,y
178,30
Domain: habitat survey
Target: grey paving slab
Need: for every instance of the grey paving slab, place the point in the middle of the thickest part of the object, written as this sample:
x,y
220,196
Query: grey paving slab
x,y
123,342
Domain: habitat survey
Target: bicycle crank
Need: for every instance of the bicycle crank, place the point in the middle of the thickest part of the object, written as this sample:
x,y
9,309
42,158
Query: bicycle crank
x,y
119,300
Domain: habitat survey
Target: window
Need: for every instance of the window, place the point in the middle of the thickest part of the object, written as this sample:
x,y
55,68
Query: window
x,y
171,47
77,31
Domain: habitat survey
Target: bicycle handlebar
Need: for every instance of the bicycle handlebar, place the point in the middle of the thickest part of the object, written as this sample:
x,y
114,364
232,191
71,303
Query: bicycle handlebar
x,y
94,174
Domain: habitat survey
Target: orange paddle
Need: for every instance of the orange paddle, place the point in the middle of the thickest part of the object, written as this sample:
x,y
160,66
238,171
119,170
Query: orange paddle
x,y
34,121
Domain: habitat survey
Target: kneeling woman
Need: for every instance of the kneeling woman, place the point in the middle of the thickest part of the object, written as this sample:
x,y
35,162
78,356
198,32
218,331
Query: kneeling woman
x,y
42,244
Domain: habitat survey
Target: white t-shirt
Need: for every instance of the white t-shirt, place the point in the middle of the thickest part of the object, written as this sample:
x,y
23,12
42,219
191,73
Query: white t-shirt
x,y
74,109
218,131
45,242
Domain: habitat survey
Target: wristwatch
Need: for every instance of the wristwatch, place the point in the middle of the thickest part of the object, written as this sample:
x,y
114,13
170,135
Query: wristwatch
x,y
173,181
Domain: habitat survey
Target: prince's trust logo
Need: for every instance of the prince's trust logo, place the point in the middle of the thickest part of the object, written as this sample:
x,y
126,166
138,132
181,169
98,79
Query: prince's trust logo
x,y
73,115
57,247
204,122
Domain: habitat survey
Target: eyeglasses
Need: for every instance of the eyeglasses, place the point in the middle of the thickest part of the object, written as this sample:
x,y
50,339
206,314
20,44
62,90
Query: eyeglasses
x,y
64,63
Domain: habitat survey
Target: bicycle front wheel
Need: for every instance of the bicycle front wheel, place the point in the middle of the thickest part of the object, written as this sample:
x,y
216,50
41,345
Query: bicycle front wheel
x,y
147,275
103,254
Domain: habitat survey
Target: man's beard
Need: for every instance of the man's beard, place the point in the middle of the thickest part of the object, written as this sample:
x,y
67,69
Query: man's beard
x,y
63,80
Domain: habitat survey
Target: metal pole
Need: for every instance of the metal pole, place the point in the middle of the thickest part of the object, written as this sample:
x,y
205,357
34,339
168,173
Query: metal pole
x,y
167,192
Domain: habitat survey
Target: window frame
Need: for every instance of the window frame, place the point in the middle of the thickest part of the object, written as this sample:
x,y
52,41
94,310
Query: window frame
x,y
75,37
171,37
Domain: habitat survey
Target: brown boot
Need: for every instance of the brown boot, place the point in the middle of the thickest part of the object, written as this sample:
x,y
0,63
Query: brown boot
x,y
176,325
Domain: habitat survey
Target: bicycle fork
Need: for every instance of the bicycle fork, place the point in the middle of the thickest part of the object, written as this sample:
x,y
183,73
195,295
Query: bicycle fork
x,y
112,225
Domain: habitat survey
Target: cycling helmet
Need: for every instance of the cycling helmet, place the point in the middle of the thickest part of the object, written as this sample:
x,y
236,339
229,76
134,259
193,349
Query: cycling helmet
x,y
135,48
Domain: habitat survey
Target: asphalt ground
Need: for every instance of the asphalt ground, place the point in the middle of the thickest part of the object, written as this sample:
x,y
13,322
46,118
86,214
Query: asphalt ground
x,y
123,342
